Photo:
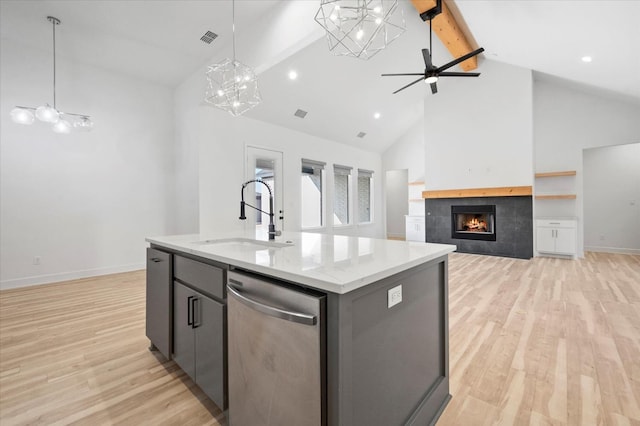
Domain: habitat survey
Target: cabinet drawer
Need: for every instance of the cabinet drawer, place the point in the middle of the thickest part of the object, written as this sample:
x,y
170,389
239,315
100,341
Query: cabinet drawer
x,y
556,223
206,278
415,219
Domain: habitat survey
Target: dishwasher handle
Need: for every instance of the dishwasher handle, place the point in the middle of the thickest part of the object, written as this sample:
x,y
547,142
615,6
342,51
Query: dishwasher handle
x,y
296,317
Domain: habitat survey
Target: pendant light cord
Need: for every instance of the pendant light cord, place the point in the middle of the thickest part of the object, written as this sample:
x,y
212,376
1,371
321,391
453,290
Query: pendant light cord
x,y
53,22
233,27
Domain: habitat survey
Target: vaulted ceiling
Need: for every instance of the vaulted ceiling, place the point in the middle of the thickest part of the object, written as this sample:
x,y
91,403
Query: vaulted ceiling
x,y
159,41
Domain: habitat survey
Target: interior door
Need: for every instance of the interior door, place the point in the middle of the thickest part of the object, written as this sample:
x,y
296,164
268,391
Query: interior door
x,y
266,165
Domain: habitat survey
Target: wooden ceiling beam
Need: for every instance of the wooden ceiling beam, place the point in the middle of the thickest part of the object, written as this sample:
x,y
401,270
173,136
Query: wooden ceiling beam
x,y
450,32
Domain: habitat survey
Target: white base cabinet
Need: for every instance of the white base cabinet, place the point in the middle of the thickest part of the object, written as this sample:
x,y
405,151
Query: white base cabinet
x,y
414,230
556,236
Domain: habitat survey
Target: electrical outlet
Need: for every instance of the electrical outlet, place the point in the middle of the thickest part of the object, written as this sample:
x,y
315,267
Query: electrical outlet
x,y
394,296
36,260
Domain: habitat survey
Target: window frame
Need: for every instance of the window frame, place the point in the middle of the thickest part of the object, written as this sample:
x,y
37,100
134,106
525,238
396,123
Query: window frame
x,y
340,170
315,165
364,173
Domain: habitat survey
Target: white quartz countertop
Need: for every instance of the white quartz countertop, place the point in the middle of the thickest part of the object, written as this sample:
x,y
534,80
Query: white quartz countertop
x,y
333,263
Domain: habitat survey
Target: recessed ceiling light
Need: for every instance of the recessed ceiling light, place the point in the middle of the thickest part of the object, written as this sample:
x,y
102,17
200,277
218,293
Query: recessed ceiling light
x,y
587,59
293,75
376,115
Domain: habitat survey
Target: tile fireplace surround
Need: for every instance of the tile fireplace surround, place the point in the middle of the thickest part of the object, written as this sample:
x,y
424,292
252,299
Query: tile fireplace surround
x,y
514,225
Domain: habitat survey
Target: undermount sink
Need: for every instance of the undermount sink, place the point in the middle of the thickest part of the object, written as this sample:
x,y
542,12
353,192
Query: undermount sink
x,y
249,243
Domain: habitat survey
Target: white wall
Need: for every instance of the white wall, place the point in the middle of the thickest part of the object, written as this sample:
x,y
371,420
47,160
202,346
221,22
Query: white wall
x,y
396,194
186,146
82,202
612,199
569,119
478,131
406,153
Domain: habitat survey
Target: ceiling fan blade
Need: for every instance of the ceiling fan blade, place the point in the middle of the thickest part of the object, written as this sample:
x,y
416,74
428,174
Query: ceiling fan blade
x,y
460,59
427,59
434,88
410,84
458,74
415,73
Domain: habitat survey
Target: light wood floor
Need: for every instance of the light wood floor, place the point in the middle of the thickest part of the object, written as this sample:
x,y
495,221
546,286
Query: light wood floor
x,y
545,341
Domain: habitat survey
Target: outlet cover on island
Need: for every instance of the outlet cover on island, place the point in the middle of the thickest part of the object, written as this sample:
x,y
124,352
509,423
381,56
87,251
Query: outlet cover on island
x,y
394,296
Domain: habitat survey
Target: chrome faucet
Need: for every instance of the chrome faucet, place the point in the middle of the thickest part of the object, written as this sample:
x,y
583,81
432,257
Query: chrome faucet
x,y
272,227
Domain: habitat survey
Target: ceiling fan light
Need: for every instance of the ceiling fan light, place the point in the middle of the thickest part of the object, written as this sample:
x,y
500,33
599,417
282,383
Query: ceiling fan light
x,y
22,115
431,79
62,126
47,113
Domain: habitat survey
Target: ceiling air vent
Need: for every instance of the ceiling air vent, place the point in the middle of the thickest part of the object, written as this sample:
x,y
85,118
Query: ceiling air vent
x,y
361,134
300,113
208,37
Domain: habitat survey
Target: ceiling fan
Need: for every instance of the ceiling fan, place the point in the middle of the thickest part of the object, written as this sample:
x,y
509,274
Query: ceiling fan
x,y
431,72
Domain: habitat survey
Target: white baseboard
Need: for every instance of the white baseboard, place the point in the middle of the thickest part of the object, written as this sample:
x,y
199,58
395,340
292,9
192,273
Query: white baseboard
x,y
395,236
614,250
66,276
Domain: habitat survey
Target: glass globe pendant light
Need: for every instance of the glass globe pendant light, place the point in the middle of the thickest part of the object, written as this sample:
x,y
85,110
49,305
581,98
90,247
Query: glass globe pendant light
x,y
22,115
50,114
47,113
62,126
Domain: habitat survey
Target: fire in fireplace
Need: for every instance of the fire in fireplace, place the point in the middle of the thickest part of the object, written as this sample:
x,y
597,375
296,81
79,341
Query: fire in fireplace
x,y
473,222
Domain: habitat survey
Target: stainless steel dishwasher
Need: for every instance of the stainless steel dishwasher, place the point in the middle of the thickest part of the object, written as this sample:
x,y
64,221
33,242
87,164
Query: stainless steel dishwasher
x,y
276,353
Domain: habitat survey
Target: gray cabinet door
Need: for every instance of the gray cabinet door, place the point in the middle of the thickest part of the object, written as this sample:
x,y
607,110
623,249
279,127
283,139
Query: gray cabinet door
x,y
183,335
159,300
210,349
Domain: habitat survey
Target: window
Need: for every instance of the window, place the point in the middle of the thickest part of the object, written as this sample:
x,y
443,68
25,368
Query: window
x,y
312,194
341,182
365,196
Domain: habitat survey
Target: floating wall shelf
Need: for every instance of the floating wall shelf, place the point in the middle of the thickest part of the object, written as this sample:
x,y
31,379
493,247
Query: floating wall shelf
x,y
556,197
556,174
560,174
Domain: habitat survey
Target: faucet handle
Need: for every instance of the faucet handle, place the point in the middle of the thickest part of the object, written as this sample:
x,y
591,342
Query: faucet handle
x,y
278,233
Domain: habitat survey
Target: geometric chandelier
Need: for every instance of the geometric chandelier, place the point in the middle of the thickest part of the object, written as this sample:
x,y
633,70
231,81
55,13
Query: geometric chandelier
x,y
231,85
360,28
62,121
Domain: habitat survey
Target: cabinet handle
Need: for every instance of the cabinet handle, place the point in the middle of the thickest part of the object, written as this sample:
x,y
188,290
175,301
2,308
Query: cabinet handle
x,y
195,315
554,223
298,317
155,259
189,311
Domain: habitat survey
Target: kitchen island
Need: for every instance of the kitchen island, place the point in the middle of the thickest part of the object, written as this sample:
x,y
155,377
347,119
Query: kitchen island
x,y
382,333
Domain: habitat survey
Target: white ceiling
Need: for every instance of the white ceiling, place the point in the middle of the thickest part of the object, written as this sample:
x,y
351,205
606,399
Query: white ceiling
x,y
159,40
551,36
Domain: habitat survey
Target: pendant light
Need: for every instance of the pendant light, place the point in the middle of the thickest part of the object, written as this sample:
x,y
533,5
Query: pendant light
x,y
62,122
360,28
232,86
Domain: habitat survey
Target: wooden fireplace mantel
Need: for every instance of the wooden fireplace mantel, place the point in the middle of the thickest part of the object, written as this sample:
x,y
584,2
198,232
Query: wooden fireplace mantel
x,y
505,191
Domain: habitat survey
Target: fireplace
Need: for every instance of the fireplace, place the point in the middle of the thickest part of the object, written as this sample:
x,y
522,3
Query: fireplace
x,y
473,222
